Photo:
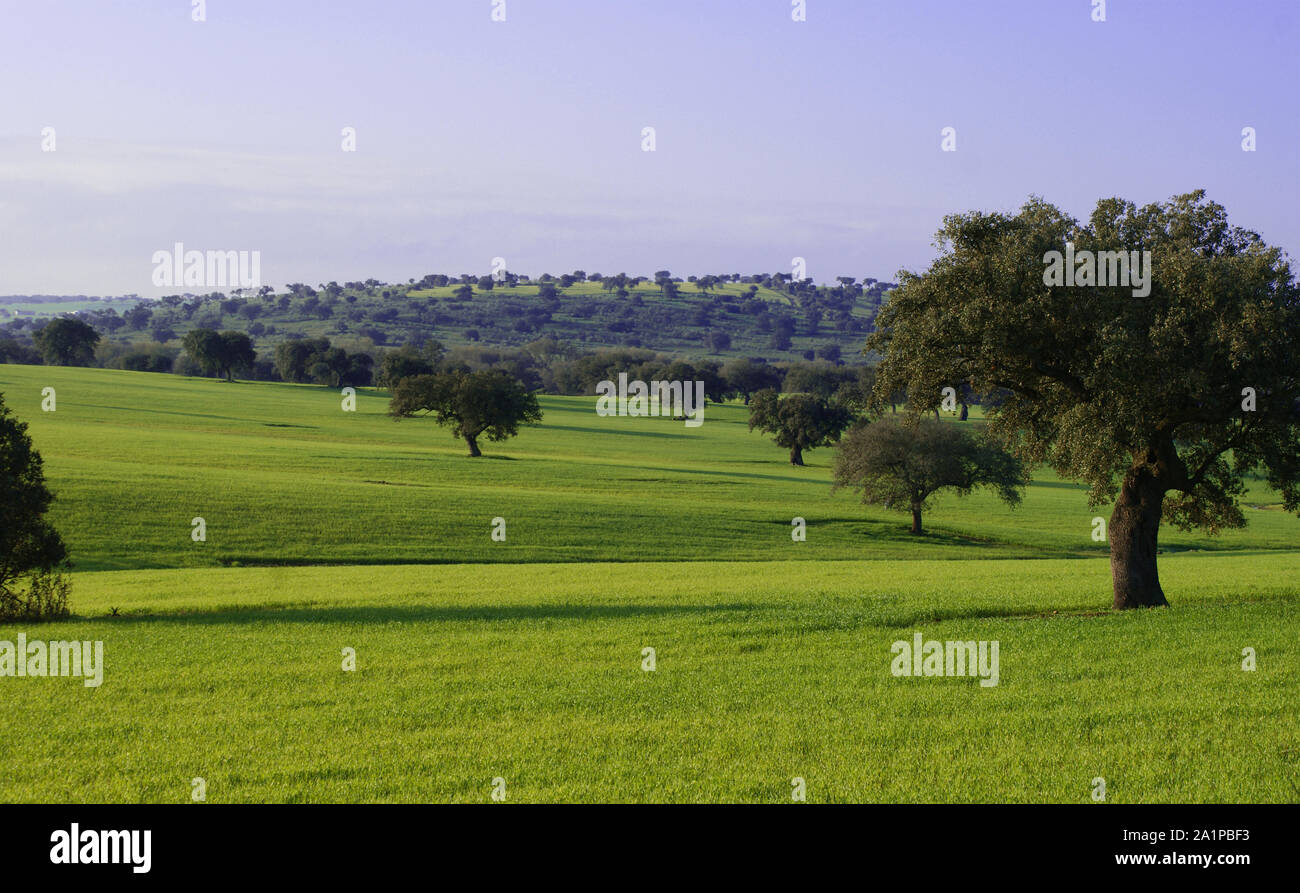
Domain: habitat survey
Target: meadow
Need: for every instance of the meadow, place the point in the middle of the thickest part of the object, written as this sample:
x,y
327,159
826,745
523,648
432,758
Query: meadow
x,y
475,659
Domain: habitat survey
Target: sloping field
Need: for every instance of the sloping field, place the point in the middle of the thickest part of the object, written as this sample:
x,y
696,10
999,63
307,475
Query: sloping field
x,y
525,660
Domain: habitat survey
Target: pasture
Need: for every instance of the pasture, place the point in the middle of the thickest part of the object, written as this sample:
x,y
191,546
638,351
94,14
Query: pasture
x,y
329,530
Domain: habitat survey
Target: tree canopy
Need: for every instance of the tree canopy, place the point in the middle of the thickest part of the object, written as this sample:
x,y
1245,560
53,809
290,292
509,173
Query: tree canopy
x,y
746,377
491,402
798,422
29,545
1183,390
900,465
220,353
66,342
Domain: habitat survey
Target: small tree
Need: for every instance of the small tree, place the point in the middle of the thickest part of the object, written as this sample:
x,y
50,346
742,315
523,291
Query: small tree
x,y
66,342
29,547
491,402
798,422
901,466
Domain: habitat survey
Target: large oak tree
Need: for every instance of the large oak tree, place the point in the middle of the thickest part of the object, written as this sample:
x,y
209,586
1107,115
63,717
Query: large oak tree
x,y
1162,403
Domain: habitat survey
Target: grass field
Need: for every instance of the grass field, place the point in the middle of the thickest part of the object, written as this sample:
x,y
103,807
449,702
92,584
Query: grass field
x,y
523,660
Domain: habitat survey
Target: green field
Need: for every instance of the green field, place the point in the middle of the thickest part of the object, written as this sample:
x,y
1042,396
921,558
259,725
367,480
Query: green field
x,y
522,659
40,309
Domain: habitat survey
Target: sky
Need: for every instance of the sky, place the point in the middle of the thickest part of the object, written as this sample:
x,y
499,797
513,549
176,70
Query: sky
x,y
523,139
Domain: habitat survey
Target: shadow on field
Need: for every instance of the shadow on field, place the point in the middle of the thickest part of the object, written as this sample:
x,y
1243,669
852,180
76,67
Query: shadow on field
x,y
184,415
419,614
615,430
1060,485
890,531
714,473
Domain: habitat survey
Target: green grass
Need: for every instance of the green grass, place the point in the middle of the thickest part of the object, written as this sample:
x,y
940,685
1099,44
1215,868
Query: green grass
x,y
523,659
281,475
765,671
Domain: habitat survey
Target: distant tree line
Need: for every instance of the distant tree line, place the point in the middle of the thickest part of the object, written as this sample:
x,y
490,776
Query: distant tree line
x,y
725,315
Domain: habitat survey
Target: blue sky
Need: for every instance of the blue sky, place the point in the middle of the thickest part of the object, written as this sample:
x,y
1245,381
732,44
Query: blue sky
x,y
522,139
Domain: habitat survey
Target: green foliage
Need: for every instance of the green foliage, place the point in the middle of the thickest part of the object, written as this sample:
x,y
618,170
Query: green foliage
x,y
822,379
474,404
66,342
798,422
314,360
407,362
236,353
901,466
220,353
1101,383
29,544
45,598
732,315
1136,395
746,377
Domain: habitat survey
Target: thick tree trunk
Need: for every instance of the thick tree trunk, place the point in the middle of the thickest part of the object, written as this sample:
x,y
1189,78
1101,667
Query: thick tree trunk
x,y
473,445
796,456
1134,529
916,519
965,412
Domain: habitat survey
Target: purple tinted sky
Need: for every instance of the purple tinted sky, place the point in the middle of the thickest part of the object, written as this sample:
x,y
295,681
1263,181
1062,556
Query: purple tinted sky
x,y
523,139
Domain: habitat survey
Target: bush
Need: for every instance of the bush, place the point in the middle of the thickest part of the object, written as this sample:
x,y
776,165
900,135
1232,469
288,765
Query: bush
x,y
30,548
46,599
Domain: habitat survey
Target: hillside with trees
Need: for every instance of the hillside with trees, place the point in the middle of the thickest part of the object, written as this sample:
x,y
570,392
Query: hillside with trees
x,y
721,317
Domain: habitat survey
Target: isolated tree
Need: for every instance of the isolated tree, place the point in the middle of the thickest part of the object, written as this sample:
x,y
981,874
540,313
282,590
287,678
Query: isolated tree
x,y
66,342
491,402
901,465
29,547
1181,391
798,422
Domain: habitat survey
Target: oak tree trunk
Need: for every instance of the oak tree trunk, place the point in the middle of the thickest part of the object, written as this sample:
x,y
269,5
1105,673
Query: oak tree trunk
x,y
916,518
796,456
1134,529
473,445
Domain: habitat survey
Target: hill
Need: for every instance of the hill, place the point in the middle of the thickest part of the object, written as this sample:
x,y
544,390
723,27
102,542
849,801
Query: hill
x,y
719,317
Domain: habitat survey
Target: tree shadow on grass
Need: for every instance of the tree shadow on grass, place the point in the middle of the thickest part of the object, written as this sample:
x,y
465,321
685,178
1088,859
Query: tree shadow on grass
x,y
633,432
873,531
386,614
